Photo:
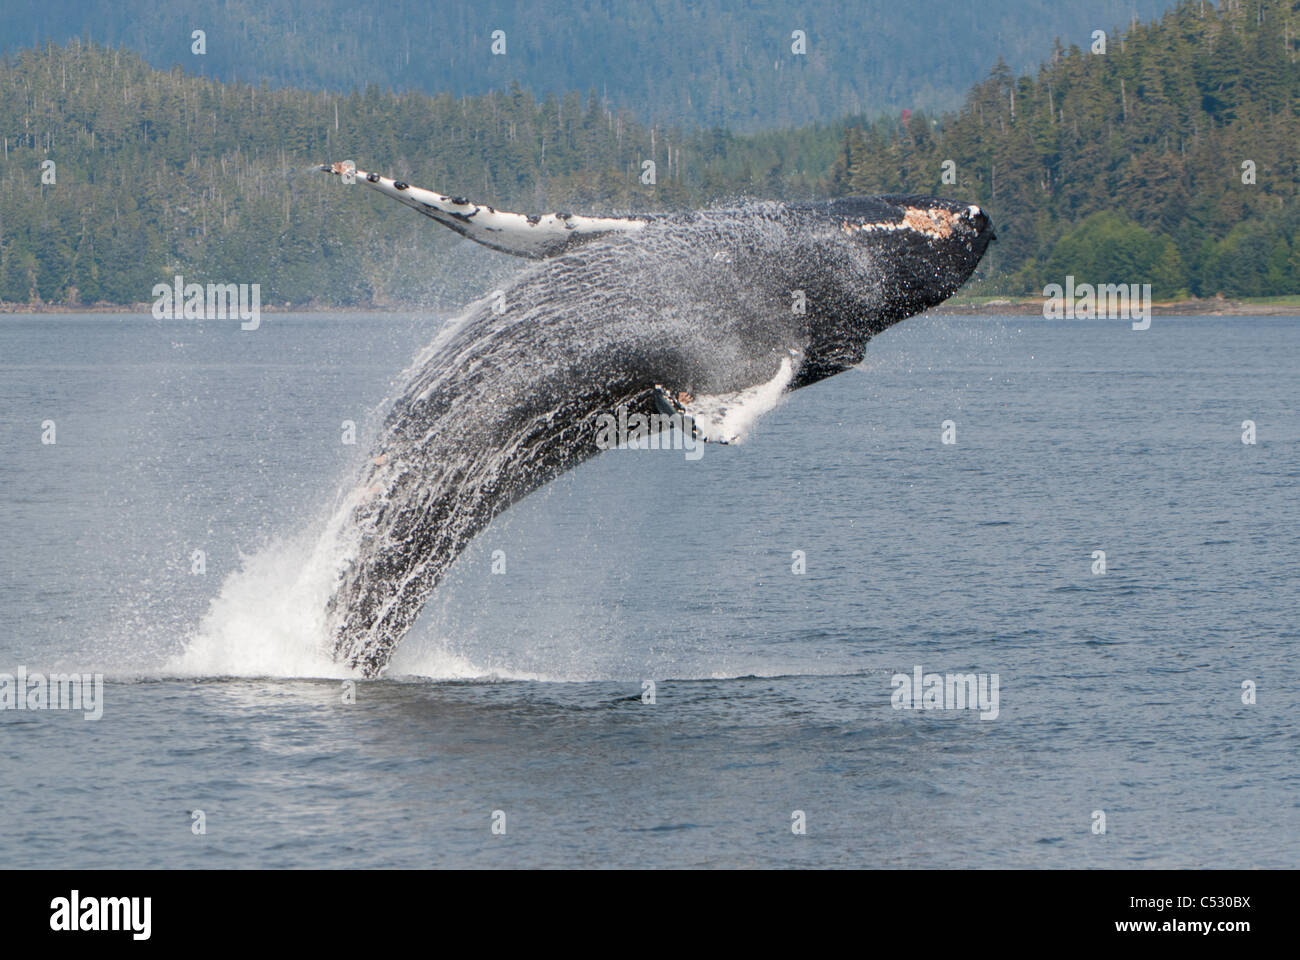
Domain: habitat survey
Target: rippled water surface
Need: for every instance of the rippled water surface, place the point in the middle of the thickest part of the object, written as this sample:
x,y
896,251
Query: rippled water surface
x,y
522,691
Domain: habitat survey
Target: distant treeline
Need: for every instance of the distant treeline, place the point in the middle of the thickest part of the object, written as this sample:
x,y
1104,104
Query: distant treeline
x,y
740,64
1118,167
1174,158
114,175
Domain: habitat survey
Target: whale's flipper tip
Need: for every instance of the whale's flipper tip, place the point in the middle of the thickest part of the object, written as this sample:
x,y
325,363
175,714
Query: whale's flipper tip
x,y
533,237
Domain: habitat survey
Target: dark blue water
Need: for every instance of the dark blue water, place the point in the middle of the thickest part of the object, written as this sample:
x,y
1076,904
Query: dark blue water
x,y
521,691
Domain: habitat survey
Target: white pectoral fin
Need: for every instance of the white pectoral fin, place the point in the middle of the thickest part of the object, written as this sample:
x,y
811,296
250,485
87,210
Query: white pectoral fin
x,y
514,233
725,417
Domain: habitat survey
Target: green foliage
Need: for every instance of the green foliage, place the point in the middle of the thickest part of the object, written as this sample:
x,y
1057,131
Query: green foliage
x,y
1123,168
1108,247
163,173
680,62
1253,260
1155,131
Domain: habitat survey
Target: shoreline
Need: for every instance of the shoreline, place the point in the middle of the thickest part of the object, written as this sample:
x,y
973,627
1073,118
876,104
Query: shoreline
x,y
1030,306
998,306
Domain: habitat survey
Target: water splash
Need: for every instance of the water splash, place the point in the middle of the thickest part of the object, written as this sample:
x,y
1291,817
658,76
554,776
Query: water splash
x,y
509,396
269,617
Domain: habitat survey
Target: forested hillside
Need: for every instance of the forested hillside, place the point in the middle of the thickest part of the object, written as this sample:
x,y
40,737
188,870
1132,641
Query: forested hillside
x,y
1126,165
1118,167
689,62
159,172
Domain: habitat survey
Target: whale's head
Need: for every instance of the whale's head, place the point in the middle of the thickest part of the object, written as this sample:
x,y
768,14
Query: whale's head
x,y
879,260
920,249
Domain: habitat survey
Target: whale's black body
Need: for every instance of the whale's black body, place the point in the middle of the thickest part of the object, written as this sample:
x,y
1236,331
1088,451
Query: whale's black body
x,y
707,304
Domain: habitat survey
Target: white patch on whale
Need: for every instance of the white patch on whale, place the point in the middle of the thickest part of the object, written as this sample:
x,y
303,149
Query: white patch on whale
x,y
728,417
514,233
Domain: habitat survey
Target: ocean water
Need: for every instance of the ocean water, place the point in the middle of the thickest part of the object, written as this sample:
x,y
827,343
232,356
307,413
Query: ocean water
x,y
519,700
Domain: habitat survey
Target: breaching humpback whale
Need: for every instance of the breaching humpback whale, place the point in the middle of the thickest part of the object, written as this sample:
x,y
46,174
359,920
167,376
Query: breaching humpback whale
x,y
694,313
